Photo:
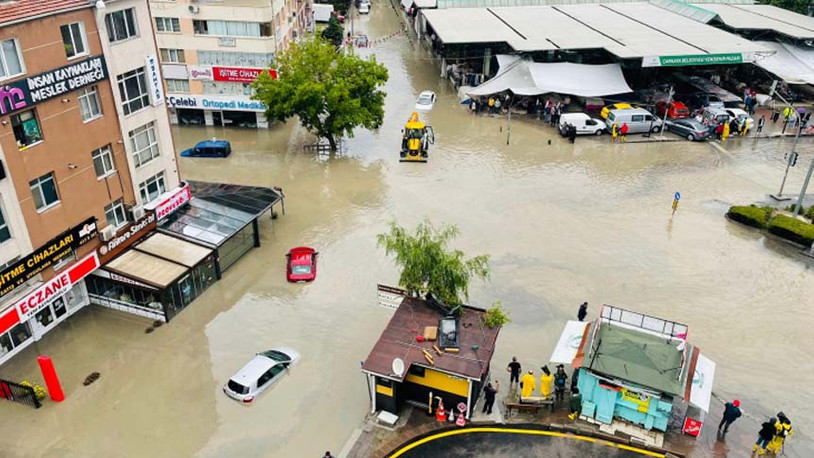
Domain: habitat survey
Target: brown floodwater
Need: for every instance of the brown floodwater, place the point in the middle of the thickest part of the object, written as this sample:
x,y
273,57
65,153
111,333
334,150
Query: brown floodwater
x,y
562,223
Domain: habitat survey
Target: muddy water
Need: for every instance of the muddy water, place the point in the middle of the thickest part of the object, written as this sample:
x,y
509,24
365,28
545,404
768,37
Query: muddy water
x,y
563,224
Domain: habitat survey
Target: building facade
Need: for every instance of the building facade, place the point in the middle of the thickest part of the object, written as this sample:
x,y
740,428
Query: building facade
x,y
210,52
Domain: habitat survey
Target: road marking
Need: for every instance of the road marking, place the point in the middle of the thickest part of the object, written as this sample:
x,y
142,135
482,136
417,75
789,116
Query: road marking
x,y
522,431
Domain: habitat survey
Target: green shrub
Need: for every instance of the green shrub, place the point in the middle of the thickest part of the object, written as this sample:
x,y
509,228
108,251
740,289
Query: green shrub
x,y
791,208
751,216
792,229
810,213
496,316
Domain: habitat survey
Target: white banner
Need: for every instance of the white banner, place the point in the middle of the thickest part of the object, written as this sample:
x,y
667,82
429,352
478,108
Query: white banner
x,y
175,71
154,80
569,342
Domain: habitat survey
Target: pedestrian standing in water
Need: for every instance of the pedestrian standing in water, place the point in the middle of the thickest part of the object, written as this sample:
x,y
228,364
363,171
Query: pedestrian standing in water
x,y
614,132
559,382
545,382
765,435
775,116
623,132
497,106
583,311
527,385
760,123
489,396
725,132
732,412
572,133
327,455
514,369
575,404
783,430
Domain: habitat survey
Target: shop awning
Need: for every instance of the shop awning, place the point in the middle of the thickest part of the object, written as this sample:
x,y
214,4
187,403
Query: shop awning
x,y
763,17
701,391
794,65
146,268
180,251
569,342
524,77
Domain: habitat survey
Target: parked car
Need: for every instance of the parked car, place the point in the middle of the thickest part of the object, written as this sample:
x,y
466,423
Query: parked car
x,y
585,124
688,128
701,100
425,102
364,8
361,41
301,264
262,371
712,116
614,106
638,120
674,109
737,113
210,148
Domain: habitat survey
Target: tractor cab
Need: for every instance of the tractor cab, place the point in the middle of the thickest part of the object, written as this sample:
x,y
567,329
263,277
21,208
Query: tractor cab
x,y
416,140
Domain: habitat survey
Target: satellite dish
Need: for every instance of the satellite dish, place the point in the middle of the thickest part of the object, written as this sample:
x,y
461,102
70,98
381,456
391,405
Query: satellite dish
x,y
398,366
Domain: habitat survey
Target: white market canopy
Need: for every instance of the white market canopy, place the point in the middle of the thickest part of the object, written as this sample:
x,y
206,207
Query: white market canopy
x,y
569,342
763,17
794,65
524,77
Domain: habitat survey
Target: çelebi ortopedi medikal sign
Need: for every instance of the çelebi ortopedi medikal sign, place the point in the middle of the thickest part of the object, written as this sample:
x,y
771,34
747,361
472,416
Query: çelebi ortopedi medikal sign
x,y
43,257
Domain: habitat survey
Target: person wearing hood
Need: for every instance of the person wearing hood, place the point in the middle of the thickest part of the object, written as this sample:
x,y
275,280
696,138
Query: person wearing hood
x,y
782,431
575,404
559,382
764,436
527,385
545,382
732,412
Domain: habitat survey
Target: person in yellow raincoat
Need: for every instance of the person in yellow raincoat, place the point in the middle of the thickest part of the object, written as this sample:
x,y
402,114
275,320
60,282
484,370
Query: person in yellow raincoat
x,y
527,385
725,133
783,430
614,132
545,382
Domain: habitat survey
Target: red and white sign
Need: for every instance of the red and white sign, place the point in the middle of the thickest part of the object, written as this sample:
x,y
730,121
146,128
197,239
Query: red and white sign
x,y
240,74
692,426
48,292
198,72
173,202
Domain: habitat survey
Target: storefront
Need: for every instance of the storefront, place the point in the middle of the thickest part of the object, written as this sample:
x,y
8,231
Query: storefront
x,y
217,110
223,217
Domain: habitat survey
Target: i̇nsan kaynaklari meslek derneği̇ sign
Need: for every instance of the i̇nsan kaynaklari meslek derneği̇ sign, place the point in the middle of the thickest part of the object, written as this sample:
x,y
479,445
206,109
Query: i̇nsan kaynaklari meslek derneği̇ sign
x,y
53,83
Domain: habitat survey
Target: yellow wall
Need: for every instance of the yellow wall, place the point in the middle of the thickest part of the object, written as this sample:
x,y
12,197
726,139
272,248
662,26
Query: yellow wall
x,y
441,381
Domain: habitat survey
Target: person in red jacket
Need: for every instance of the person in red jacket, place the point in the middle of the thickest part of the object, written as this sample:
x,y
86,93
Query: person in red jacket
x,y
623,132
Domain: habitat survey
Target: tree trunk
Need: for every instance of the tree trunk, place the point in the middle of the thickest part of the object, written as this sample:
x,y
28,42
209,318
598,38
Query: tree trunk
x,y
332,142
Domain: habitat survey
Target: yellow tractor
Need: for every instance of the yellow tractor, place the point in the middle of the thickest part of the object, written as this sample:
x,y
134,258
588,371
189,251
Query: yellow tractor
x,y
415,140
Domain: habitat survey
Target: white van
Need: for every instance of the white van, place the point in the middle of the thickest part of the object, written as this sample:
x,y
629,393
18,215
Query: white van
x,y
638,120
585,124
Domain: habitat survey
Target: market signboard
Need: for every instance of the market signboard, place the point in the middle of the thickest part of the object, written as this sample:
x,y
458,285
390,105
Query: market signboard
x,y
697,59
215,102
42,258
154,79
126,237
389,297
166,204
53,83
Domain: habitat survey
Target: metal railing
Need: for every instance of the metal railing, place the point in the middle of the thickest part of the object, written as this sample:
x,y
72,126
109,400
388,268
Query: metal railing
x,y
15,392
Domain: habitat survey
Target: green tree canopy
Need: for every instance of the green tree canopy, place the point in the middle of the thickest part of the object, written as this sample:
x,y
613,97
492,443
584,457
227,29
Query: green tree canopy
x,y
798,6
428,266
331,92
333,32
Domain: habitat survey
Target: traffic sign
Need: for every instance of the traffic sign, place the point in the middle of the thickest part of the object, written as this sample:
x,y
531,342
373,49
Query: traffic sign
x,y
678,196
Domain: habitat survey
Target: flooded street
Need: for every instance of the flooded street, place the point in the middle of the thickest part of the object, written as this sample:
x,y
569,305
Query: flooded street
x,y
562,223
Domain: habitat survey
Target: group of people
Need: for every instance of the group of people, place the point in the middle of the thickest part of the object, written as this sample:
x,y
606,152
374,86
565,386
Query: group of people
x,y
549,111
617,131
772,434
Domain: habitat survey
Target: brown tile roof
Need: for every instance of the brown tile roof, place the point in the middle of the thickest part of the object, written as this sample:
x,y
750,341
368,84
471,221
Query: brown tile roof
x,y
408,321
21,9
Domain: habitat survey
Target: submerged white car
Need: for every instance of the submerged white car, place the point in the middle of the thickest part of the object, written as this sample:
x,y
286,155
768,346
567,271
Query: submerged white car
x,y
364,8
425,101
262,371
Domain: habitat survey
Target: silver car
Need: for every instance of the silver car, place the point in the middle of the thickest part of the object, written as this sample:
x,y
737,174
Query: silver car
x,y
259,373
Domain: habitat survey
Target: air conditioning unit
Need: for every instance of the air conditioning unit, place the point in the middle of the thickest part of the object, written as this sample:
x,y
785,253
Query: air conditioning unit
x,y
107,233
194,9
136,213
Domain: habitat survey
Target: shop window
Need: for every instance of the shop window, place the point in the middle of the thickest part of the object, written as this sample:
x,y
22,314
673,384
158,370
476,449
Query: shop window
x,y
11,60
5,234
167,24
417,370
236,246
232,28
89,104
5,343
173,56
26,128
107,292
59,307
121,25
177,85
133,90
103,161
44,317
152,187
221,88
115,215
144,144
73,37
44,190
19,334
236,59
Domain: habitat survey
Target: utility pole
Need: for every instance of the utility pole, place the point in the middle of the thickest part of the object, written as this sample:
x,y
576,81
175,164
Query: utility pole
x,y
509,122
779,196
666,109
803,189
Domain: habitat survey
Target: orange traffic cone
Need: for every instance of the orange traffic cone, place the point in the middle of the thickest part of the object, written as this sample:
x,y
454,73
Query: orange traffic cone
x,y
439,414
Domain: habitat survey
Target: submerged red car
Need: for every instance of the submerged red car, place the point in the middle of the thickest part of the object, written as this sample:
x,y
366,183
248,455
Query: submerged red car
x,y
302,264
675,109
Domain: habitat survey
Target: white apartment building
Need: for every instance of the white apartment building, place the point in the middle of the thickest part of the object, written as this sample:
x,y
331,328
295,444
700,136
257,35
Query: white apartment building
x,y
14,240
211,50
128,41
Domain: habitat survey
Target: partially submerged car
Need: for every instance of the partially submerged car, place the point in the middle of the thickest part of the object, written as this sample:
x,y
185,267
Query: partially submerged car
x,y
209,148
301,264
425,102
689,128
262,371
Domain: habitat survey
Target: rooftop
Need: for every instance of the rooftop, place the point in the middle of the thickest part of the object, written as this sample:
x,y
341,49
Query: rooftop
x,y
19,10
764,17
408,321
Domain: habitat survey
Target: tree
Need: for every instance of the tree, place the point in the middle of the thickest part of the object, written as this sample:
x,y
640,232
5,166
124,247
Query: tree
x,y
798,6
428,266
332,93
334,32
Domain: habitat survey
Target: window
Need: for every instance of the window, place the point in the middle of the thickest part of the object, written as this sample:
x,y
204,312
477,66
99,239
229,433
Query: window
x,y
26,128
152,187
178,85
114,213
236,59
89,104
103,161
218,87
44,190
638,118
133,89
121,25
232,28
11,61
73,36
175,56
144,144
167,24
5,234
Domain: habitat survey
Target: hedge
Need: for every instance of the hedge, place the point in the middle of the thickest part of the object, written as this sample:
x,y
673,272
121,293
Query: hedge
x,y
792,229
751,216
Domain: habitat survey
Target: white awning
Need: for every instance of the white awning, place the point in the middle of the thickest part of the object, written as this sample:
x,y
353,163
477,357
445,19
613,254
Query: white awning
x,y
793,65
740,17
569,342
701,390
524,77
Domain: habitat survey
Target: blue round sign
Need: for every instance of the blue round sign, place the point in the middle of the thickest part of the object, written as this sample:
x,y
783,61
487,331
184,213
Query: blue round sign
x,y
678,195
